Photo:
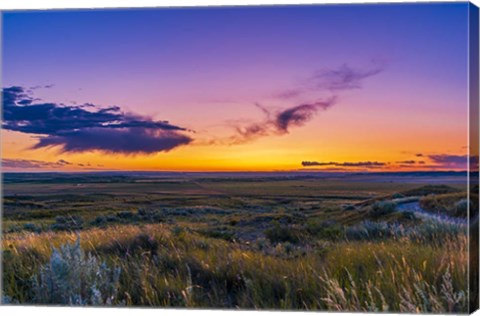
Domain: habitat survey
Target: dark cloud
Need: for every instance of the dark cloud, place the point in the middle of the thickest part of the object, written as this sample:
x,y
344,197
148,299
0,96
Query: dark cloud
x,y
32,164
88,126
407,162
368,164
63,162
419,155
454,161
448,159
298,115
126,141
279,122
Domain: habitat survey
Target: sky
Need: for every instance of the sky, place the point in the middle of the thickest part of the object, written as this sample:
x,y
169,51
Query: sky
x,y
325,87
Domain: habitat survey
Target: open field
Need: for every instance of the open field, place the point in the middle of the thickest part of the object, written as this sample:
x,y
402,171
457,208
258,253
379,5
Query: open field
x,y
267,241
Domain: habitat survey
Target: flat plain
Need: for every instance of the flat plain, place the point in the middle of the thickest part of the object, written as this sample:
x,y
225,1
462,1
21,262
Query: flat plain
x,y
344,242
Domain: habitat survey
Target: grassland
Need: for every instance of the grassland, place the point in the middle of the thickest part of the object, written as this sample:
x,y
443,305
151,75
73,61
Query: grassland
x,y
227,241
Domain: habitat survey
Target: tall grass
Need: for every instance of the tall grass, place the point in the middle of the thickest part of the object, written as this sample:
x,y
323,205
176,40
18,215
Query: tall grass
x,y
165,266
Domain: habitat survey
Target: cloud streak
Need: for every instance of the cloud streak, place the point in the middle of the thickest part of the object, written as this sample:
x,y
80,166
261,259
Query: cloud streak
x,y
33,164
343,78
455,161
280,122
87,127
337,79
435,162
368,164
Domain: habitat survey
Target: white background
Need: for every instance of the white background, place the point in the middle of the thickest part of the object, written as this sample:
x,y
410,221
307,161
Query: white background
x,y
57,4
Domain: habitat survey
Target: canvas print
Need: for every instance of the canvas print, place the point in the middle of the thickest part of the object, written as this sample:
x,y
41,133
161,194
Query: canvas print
x,y
301,157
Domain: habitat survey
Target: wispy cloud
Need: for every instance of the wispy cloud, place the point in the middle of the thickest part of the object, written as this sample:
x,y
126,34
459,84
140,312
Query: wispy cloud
x,y
33,164
79,128
407,162
445,159
344,77
434,162
368,164
454,161
279,122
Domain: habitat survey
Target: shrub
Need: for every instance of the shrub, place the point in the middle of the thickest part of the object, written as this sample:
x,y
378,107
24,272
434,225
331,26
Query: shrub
x,y
99,221
221,233
111,218
125,215
150,216
368,230
382,208
73,278
32,227
280,233
434,231
430,189
324,229
431,231
453,204
69,223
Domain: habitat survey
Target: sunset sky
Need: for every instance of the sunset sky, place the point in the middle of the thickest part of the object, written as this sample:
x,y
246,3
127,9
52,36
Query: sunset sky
x,y
327,87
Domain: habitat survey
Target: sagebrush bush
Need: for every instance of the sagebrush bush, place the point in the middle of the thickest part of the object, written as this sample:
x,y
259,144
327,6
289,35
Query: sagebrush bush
x,y
73,278
325,229
383,208
281,233
67,223
32,228
369,230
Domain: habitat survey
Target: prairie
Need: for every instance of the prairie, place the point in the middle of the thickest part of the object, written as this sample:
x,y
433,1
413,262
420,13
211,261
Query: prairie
x,y
249,241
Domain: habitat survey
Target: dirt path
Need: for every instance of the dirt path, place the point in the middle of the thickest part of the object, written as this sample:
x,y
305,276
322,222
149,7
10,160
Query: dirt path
x,y
414,206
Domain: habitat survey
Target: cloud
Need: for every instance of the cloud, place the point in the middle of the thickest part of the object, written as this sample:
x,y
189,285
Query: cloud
x,y
87,127
298,115
368,164
435,162
407,162
454,161
126,141
449,159
279,122
337,79
64,162
343,78
32,164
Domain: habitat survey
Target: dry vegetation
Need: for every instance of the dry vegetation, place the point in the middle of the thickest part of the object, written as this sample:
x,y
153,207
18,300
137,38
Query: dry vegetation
x,y
299,255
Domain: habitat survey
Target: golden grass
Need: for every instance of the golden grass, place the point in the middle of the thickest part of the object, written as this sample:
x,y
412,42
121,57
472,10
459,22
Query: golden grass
x,y
181,268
